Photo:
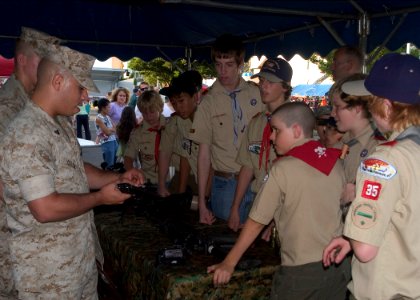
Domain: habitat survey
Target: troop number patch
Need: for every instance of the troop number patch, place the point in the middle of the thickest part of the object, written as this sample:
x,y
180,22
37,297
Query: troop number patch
x,y
371,190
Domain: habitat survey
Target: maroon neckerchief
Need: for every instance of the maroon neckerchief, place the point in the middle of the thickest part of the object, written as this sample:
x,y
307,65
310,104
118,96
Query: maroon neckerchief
x,y
316,155
157,142
265,143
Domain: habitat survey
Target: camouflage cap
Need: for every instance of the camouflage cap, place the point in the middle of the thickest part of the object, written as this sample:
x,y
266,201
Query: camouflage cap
x,y
77,63
38,40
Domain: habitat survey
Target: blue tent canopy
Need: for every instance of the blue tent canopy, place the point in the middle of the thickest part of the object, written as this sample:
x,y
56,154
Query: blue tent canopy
x,y
177,28
311,89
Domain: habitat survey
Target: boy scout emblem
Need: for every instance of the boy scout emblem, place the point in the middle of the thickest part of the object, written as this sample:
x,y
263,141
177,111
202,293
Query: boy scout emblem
x,y
364,153
371,190
364,215
253,102
378,168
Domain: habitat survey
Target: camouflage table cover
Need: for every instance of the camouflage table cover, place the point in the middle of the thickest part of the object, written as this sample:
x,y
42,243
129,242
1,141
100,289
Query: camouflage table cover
x,y
131,244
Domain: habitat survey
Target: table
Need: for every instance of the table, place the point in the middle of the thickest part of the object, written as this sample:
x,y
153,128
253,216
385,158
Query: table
x,y
130,246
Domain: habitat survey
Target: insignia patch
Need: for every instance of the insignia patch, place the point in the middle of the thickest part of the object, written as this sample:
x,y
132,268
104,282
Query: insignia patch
x,y
253,102
320,151
364,153
254,148
364,215
371,190
378,168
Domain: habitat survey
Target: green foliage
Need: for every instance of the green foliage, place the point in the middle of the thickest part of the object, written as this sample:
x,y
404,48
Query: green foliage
x,y
160,71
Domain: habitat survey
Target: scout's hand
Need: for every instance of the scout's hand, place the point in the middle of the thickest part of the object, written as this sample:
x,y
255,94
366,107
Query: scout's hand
x,y
234,220
133,176
266,235
222,273
163,192
206,216
110,194
336,251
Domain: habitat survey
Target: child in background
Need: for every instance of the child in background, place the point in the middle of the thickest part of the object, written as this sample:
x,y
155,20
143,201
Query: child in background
x,y
105,133
352,117
124,128
306,216
333,136
145,140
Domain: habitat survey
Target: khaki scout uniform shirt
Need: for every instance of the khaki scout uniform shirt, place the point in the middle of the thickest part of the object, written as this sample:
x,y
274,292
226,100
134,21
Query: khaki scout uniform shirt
x,y
386,214
213,122
305,205
363,146
187,148
249,152
40,156
142,144
170,141
12,100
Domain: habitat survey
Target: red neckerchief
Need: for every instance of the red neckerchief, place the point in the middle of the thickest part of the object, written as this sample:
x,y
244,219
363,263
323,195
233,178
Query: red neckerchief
x,y
157,141
265,143
316,155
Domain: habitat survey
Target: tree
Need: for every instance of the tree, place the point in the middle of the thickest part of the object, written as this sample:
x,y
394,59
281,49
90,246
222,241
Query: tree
x,y
160,72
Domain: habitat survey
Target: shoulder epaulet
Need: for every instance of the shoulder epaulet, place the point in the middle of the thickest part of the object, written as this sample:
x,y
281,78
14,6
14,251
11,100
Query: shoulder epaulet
x,y
390,143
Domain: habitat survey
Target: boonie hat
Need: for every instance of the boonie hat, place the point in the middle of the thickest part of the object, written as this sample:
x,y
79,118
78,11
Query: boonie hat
x,y
38,40
275,70
394,76
79,64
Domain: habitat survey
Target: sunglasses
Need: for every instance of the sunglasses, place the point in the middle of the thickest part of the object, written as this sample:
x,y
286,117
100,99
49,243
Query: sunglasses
x,y
144,89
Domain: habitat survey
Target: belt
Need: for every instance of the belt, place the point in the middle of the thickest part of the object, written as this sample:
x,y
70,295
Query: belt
x,y
228,175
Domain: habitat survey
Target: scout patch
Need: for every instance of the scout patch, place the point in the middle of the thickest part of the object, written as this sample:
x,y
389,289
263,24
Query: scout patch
x,y
371,190
364,215
253,102
378,168
254,148
364,153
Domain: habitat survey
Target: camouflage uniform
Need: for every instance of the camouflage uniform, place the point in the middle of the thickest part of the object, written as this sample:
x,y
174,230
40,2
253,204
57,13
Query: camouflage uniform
x,y
54,260
12,99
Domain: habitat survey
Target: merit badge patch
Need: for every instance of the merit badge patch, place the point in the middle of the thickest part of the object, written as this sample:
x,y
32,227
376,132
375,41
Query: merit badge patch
x,y
364,215
253,102
378,168
371,190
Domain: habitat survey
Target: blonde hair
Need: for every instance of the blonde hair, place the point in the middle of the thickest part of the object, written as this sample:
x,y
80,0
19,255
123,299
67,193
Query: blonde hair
x,y
150,101
117,91
402,115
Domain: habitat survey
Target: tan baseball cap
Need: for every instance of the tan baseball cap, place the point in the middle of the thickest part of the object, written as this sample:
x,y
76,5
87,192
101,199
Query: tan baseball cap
x,y
38,40
77,63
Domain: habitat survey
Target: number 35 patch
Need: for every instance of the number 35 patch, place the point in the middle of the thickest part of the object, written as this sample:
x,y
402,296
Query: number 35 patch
x,y
371,190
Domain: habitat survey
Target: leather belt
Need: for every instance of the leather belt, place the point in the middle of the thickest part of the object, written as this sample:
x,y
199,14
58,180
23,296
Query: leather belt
x,y
228,175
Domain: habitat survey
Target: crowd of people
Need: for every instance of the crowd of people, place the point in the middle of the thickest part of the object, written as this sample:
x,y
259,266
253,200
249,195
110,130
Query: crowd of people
x,y
246,150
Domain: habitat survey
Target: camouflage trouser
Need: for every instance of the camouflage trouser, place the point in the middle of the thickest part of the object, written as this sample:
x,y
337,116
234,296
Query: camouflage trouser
x,y
7,289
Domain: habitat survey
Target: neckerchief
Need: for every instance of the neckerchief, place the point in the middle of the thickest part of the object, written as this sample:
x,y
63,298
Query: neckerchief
x,y
238,123
317,156
157,141
265,143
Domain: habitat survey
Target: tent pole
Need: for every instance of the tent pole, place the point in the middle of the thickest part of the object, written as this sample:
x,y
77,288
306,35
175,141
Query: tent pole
x,y
331,31
188,53
364,28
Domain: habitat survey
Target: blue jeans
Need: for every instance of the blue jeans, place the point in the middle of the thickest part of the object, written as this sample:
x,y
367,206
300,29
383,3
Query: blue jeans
x,y
109,152
221,198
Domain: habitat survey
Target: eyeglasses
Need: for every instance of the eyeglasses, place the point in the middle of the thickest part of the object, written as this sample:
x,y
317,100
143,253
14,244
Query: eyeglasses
x,y
144,89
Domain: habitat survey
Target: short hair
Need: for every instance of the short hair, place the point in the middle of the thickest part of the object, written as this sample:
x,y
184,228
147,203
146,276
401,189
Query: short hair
x,y
150,100
116,91
296,113
227,46
351,100
352,52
